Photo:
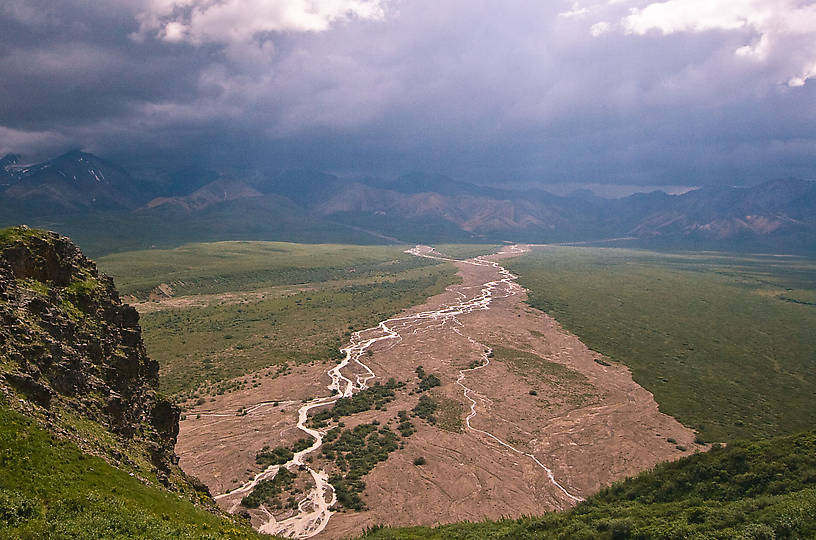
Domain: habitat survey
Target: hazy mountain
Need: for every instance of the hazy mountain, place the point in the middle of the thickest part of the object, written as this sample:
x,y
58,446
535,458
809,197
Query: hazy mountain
x,y
187,180
71,182
218,191
302,186
780,214
472,215
8,174
92,198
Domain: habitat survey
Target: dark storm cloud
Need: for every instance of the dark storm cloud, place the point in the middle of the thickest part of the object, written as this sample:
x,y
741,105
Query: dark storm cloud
x,y
625,92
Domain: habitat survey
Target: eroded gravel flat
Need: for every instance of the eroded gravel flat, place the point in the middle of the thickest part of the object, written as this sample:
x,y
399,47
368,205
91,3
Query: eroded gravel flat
x,y
588,429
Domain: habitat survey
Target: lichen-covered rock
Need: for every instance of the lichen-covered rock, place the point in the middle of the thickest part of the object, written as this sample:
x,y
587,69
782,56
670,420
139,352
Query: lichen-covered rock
x,y
70,347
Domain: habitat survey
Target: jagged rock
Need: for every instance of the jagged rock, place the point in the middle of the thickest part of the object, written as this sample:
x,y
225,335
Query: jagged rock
x,y
31,388
72,344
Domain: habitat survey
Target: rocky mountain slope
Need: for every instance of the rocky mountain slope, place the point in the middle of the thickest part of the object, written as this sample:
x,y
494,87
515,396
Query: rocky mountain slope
x,y
72,348
71,182
72,363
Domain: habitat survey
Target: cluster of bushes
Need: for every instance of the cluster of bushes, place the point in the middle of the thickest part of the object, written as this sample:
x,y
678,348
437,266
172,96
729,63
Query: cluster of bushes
x,y
355,452
281,454
405,427
426,380
348,491
275,456
266,490
426,409
374,397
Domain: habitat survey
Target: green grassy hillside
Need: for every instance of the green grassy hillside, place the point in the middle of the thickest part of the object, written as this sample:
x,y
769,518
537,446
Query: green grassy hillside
x,y
50,489
756,490
725,343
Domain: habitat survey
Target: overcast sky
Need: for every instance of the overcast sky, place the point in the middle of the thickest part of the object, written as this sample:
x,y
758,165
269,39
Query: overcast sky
x,y
683,92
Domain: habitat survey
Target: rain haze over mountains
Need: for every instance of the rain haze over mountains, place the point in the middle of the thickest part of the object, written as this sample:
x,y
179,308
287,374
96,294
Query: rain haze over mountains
x,y
455,119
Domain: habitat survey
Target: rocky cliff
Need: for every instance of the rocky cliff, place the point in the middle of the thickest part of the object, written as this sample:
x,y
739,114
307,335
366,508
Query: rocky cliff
x,y
71,356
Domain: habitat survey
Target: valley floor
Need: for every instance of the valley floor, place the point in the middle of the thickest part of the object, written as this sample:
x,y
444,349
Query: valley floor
x,y
542,401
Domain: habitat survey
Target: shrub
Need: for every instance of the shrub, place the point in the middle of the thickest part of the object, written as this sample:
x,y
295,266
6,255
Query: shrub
x,y
425,409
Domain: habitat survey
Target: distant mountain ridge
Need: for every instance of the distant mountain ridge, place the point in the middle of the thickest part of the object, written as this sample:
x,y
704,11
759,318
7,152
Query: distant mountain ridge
x,y
77,192
8,174
217,191
70,182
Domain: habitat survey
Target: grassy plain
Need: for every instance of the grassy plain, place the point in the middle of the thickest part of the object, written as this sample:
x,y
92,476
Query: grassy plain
x,y
266,303
466,251
242,266
725,343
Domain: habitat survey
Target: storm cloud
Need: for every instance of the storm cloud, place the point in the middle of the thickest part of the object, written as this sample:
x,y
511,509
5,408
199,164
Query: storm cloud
x,y
681,92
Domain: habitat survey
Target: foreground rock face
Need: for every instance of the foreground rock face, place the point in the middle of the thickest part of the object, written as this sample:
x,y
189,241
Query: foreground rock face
x,y
72,352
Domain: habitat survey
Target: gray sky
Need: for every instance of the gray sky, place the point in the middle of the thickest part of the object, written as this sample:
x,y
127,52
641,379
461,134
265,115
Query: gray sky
x,y
684,92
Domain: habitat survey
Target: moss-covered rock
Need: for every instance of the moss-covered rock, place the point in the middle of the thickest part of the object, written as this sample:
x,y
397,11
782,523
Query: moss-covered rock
x,y
72,350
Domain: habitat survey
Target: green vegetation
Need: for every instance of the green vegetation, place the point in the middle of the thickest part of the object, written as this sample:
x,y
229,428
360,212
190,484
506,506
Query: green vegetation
x,y
11,235
50,489
33,285
254,317
426,409
568,384
466,251
449,413
83,287
275,456
281,454
405,426
758,490
266,490
355,452
426,380
219,267
714,337
373,397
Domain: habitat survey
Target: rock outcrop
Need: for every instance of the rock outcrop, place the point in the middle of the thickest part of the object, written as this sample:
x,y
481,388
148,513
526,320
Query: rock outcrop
x,y
71,354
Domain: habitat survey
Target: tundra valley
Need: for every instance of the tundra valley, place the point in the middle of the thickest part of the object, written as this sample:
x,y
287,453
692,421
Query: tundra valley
x,y
391,270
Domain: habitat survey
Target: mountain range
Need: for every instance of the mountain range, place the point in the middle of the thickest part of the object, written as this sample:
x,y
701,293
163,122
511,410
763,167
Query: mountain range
x,y
104,207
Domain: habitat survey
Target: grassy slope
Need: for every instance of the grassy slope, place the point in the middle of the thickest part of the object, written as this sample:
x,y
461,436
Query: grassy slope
x,y
50,489
720,341
765,489
348,288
